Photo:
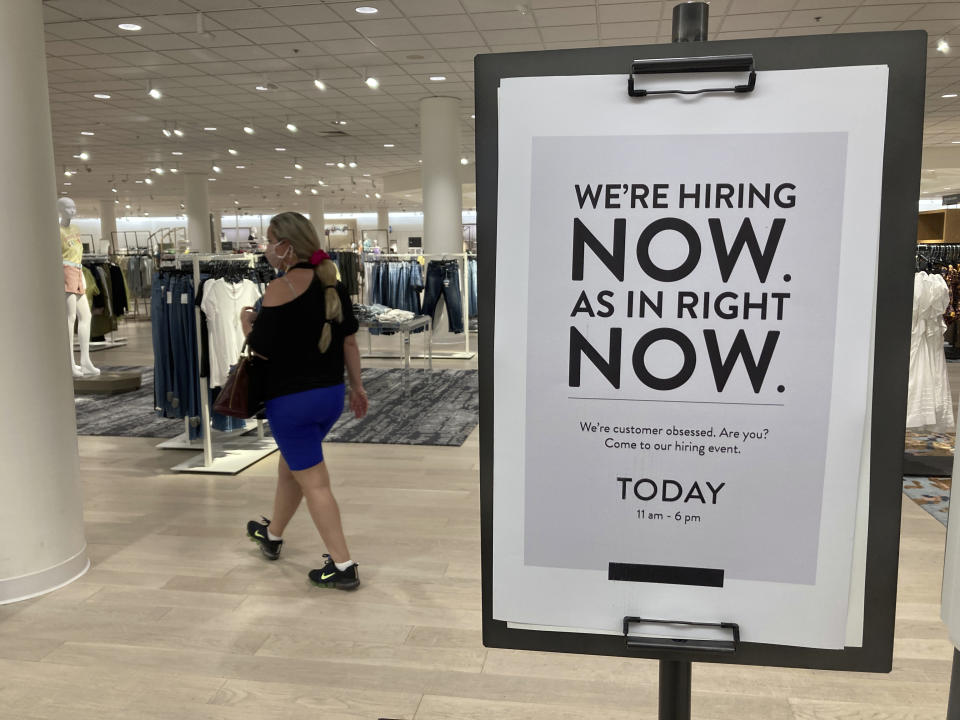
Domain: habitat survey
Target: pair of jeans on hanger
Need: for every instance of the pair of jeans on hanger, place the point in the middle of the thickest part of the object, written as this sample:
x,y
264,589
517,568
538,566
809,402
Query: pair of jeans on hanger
x,y
443,278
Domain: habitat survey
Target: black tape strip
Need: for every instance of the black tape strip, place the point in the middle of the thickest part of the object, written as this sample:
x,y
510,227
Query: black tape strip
x,y
666,574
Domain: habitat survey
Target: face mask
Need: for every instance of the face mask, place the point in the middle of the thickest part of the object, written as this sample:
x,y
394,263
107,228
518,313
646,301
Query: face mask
x,y
273,258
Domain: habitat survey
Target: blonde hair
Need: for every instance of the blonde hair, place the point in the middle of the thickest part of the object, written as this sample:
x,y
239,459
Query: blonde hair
x,y
302,237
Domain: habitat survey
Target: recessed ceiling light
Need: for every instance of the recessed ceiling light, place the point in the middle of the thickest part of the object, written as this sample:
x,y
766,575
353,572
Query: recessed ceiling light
x,y
82,156
330,164
113,189
280,149
464,161
262,88
366,10
174,170
67,183
178,132
155,93
248,129
314,191
298,191
88,133
127,207
288,177
241,167
231,151
292,128
298,166
377,195
211,179
148,181
132,27
341,164
372,83
166,132
216,168
943,46
320,84
210,129
159,170
101,96
438,78
176,152
949,95
473,117
955,142
366,174
388,145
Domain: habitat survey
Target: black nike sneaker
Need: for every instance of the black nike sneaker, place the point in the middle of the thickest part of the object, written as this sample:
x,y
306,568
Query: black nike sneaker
x,y
329,577
257,532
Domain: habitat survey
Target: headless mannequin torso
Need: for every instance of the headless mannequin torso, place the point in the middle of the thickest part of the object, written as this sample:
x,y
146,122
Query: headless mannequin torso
x,y
78,309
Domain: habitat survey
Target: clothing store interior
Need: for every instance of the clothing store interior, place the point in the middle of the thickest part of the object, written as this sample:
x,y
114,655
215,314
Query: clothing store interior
x,y
163,138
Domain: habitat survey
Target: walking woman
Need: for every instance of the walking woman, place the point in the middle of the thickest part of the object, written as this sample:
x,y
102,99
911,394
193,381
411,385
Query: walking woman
x,y
306,330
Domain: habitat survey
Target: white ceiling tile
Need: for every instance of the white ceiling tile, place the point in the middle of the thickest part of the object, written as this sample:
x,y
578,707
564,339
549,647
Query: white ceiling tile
x,y
145,7
809,18
304,14
183,23
820,4
386,27
213,5
357,60
629,30
271,65
630,12
401,43
59,48
868,27
56,63
220,38
569,45
97,61
87,9
935,28
111,45
415,57
540,4
244,52
267,35
194,55
76,30
52,15
452,40
215,68
522,47
938,11
239,19
444,23
327,31
741,35
343,47
128,72
502,20
347,10
815,30
566,16
170,41
569,33
462,53
749,23
415,8
511,37
740,7
882,13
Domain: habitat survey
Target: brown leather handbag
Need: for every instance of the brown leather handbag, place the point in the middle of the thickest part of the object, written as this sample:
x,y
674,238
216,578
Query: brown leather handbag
x,y
242,395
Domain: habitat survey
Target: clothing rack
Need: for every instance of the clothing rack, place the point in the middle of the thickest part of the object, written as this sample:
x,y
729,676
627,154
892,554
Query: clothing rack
x,y
239,450
462,260
111,340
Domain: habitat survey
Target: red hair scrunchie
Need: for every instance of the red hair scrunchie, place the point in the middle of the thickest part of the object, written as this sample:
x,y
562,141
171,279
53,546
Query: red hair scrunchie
x,y
318,257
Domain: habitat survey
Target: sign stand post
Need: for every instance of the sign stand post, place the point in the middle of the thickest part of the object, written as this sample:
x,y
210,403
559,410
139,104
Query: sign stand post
x,y
675,688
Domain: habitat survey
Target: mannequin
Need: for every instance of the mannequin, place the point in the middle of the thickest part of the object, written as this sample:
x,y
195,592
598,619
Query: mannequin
x,y
78,309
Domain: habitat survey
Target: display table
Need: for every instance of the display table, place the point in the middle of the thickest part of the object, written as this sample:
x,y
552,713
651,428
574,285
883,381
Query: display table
x,y
403,328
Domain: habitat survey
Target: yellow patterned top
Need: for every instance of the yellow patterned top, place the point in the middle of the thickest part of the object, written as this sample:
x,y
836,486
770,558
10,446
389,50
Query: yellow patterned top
x,y
71,245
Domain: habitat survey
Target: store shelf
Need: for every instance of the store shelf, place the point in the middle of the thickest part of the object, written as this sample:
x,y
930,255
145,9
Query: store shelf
x,y
939,226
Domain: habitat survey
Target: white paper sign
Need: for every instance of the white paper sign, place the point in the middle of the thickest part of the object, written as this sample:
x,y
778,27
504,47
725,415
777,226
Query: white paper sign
x,y
684,295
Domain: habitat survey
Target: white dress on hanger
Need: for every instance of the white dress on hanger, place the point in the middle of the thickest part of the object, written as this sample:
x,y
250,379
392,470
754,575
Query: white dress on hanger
x,y
929,402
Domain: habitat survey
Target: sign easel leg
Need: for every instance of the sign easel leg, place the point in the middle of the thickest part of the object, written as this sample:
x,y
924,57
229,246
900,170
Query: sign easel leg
x,y
953,705
675,679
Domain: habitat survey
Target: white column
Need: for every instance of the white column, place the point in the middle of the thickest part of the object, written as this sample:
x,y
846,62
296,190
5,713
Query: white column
x,y
217,229
442,193
108,224
39,485
383,223
315,210
198,211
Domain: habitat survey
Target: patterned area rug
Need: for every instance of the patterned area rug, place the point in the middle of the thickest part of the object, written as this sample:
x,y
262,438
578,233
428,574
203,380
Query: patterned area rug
x,y
438,407
932,494
926,443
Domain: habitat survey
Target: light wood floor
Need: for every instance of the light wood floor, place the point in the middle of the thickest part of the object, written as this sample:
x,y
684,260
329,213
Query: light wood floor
x,y
180,617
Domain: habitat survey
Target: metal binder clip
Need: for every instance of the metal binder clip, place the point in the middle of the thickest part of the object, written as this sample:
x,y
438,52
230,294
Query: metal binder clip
x,y
715,63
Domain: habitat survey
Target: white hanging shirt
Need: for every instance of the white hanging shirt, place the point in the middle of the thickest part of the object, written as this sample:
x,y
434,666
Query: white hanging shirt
x,y
222,303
